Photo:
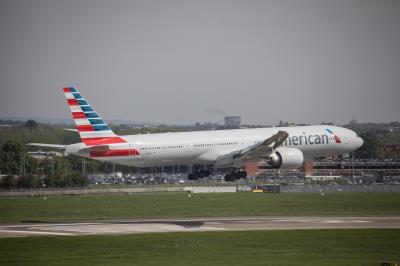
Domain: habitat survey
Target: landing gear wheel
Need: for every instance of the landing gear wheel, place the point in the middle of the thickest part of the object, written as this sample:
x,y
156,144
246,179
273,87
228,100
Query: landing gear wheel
x,y
243,174
235,175
229,177
192,176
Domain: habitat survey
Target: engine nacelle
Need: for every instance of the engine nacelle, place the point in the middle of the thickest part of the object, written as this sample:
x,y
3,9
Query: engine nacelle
x,y
286,158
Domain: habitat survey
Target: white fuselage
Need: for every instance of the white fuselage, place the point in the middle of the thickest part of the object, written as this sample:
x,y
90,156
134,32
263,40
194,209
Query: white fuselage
x,y
203,147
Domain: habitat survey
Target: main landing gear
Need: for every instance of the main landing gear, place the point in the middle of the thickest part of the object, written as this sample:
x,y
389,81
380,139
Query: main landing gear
x,y
235,175
198,174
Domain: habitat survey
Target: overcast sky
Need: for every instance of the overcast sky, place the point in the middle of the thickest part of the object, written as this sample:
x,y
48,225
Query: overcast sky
x,y
185,61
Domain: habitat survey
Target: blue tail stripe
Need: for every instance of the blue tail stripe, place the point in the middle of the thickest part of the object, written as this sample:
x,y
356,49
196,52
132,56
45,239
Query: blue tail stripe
x,y
96,121
82,102
100,127
91,115
87,109
77,96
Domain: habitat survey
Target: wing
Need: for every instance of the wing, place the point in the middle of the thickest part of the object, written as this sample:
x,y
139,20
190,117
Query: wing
x,y
256,152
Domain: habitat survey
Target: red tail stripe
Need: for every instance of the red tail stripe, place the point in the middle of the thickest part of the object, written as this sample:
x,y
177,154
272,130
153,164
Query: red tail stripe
x,y
85,128
66,90
77,115
102,140
72,102
109,153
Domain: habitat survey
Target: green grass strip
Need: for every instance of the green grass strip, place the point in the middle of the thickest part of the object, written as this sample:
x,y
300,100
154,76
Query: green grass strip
x,y
296,247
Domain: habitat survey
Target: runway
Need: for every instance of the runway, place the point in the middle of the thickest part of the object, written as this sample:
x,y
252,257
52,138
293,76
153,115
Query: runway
x,y
121,227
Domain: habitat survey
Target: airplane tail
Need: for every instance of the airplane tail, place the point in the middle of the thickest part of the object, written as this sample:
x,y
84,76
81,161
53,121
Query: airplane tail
x,y
91,128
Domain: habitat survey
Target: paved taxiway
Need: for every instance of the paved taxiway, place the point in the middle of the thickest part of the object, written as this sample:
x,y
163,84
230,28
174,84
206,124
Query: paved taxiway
x,y
201,224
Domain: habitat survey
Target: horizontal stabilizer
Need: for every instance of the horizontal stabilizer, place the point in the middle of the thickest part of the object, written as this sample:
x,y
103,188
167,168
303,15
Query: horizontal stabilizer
x,y
71,129
53,146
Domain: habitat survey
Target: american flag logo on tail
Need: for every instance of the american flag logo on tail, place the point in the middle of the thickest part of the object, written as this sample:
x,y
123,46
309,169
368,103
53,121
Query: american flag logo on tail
x,y
91,127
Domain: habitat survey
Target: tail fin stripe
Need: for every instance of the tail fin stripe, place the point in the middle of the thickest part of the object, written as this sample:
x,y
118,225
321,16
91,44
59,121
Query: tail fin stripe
x,y
101,127
91,115
69,95
90,128
96,121
82,122
82,102
72,102
69,89
77,115
77,95
87,109
84,128
75,108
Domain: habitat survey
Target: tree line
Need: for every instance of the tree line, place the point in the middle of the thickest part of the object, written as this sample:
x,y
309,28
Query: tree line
x,y
20,170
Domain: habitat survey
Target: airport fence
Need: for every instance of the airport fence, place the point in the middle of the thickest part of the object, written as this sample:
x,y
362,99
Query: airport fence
x,y
195,189
340,188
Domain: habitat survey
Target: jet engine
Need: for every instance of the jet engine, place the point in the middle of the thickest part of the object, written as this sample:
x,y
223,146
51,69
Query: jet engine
x,y
286,158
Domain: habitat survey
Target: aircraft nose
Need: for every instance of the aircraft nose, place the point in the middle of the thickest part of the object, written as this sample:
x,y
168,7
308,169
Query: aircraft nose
x,y
360,142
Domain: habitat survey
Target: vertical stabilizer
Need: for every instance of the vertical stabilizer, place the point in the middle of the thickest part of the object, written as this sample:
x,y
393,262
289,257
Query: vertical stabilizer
x,y
92,129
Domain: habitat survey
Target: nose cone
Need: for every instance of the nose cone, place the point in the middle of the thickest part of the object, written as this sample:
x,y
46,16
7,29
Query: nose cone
x,y
359,142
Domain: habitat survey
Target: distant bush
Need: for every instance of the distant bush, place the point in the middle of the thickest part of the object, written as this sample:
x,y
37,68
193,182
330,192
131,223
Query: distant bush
x,y
8,181
75,179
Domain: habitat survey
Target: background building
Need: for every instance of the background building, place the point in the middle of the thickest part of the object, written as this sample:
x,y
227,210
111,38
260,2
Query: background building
x,y
233,121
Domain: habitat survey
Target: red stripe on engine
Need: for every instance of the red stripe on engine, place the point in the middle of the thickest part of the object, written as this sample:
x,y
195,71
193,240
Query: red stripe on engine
x,y
102,140
72,102
85,128
110,153
66,89
77,115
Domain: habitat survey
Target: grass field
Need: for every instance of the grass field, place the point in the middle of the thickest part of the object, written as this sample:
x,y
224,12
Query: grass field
x,y
297,247
70,208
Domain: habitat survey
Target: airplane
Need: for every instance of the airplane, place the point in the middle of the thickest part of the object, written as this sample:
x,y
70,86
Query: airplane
x,y
279,148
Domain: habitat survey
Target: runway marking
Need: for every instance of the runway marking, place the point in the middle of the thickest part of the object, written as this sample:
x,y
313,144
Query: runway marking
x,y
331,221
36,232
212,228
47,224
